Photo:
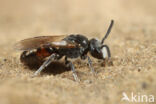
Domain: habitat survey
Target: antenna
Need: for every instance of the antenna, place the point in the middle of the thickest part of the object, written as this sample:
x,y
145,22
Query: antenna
x,y
108,31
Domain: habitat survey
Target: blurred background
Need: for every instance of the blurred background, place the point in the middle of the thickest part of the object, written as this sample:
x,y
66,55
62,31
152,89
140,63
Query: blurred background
x,y
132,42
26,18
21,19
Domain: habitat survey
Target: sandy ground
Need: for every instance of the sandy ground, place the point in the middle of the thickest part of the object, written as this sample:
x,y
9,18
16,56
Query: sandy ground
x,y
132,43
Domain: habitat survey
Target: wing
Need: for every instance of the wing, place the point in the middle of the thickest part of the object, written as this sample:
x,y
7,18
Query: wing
x,y
36,42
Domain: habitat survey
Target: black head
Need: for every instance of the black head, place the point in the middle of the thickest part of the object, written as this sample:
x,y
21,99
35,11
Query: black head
x,y
97,48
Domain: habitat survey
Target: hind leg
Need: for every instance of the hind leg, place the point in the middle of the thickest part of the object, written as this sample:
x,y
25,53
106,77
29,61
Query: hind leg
x,y
46,63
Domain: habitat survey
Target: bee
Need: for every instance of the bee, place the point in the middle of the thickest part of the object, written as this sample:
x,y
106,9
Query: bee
x,y
68,46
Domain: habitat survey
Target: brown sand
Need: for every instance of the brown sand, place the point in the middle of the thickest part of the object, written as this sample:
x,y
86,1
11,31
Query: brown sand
x,y
132,43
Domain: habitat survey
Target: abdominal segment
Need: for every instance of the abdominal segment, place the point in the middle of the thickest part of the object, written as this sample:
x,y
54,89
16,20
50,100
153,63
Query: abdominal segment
x,y
34,58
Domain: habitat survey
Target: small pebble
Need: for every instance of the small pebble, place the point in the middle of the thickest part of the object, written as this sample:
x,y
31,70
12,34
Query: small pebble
x,y
87,82
5,59
144,85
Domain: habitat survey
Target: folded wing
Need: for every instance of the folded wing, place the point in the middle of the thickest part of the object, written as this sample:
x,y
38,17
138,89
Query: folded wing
x,y
37,42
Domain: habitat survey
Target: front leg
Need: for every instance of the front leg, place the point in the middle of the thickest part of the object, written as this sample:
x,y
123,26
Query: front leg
x,y
46,63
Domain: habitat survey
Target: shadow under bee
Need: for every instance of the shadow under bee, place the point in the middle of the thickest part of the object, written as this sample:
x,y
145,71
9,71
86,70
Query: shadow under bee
x,y
33,63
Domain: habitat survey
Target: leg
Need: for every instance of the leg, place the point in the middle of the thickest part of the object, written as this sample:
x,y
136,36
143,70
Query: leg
x,y
72,68
107,50
46,63
90,65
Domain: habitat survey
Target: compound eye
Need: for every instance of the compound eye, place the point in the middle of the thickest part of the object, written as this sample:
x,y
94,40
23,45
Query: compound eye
x,y
95,49
97,53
